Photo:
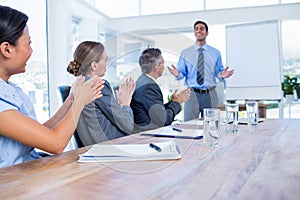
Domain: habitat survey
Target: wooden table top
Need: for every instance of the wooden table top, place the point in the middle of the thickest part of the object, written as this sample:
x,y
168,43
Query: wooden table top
x,y
260,162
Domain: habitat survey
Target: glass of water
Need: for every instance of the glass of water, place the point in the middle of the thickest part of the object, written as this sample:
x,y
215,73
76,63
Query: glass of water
x,y
232,110
252,112
211,125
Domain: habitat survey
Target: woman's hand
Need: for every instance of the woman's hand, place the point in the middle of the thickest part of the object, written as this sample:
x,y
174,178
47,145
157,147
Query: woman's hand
x,y
125,92
87,91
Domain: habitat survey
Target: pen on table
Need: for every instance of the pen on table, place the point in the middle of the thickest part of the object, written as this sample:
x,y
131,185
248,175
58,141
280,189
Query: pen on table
x,y
157,148
177,129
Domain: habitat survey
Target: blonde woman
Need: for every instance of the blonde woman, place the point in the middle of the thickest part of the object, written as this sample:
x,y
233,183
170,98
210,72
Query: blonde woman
x,y
107,117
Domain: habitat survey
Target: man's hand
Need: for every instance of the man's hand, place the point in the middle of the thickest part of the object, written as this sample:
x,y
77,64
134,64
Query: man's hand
x,y
173,70
182,96
225,73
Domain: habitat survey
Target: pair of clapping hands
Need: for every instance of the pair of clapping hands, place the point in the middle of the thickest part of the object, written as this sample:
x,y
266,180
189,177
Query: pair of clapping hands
x,y
87,91
125,91
84,92
181,96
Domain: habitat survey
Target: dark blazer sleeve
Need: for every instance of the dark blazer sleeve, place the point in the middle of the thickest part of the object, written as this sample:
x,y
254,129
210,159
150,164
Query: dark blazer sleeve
x,y
149,110
159,113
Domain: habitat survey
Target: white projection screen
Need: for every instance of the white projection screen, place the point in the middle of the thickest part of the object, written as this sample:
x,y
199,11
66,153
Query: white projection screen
x,y
254,52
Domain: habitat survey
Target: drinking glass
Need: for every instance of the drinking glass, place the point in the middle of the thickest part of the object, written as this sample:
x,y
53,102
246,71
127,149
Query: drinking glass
x,y
232,110
211,126
252,112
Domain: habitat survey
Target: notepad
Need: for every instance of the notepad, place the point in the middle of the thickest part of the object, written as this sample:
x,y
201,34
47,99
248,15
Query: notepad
x,y
130,152
169,132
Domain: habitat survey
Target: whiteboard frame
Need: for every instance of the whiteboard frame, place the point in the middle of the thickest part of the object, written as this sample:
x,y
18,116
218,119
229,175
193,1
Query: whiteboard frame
x,y
263,83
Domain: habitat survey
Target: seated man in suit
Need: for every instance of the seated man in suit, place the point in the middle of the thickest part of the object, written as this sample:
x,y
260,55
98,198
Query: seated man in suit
x,y
147,104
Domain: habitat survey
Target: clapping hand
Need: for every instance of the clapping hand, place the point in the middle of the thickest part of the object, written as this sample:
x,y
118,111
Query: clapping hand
x,y
125,92
182,96
87,91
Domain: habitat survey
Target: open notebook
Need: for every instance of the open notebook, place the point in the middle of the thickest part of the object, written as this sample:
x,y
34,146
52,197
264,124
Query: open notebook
x,y
131,152
172,132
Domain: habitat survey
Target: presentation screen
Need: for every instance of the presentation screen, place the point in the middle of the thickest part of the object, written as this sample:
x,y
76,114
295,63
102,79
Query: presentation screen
x,y
254,52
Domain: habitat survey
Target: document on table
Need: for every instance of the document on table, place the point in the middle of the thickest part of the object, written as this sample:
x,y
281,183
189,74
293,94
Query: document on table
x,y
131,152
172,132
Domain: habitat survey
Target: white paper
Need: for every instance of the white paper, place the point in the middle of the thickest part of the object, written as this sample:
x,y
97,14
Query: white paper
x,y
169,132
130,152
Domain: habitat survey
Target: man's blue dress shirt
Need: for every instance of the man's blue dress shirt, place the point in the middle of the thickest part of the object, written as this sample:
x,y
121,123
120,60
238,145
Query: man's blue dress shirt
x,y
187,66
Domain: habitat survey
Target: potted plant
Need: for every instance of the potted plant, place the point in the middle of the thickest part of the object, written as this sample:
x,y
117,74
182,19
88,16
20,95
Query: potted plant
x,y
288,86
297,88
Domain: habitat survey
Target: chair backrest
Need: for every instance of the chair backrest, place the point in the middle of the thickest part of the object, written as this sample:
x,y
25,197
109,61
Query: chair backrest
x,y
64,91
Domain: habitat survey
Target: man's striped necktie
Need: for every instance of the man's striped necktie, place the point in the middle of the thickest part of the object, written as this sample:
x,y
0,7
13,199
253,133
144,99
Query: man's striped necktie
x,y
200,66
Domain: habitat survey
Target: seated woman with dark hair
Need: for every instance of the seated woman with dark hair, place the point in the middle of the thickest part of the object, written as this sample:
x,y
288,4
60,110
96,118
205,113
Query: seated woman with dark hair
x,y
20,133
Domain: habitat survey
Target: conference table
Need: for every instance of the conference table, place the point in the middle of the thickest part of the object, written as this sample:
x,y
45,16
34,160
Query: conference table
x,y
257,162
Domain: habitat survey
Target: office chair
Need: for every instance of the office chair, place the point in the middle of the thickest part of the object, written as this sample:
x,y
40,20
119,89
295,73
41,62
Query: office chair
x,y
64,91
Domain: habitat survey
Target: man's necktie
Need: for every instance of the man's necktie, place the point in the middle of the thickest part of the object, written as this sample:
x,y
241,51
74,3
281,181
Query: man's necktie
x,y
200,66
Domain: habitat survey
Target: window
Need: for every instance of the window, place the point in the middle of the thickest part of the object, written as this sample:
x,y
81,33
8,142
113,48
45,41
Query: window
x,y
220,4
290,1
34,81
150,7
117,8
291,49
127,8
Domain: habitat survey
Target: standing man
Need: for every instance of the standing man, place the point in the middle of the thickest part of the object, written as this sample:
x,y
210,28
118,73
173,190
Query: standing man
x,y
147,104
200,65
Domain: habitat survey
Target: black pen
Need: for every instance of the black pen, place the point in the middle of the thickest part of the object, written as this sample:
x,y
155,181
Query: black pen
x,y
177,129
157,148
